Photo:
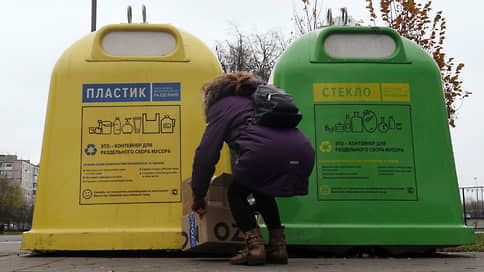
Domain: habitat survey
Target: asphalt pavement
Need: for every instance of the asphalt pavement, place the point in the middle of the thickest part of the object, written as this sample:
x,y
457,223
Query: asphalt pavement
x,y
14,259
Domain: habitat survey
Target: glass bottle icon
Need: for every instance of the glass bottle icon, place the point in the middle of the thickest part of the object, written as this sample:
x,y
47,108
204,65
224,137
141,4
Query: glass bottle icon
x,y
117,126
356,123
347,123
382,126
391,122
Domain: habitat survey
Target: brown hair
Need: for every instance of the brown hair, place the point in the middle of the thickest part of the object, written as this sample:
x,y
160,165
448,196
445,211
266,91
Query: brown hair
x,y
211,90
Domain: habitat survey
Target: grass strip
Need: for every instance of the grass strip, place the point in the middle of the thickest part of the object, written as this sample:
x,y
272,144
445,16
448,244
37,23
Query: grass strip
x,y
478,246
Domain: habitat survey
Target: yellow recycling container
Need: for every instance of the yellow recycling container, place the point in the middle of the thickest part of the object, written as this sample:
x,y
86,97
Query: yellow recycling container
x,y
123,121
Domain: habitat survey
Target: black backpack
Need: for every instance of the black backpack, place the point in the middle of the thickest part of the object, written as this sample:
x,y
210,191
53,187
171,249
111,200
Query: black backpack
x,y
274,108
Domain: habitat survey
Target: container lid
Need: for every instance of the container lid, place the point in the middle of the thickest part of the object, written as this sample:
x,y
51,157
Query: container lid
x,y
138,42
358,45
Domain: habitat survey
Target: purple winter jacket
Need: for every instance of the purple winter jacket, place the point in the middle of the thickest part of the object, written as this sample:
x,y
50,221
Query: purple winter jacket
x,y
274,162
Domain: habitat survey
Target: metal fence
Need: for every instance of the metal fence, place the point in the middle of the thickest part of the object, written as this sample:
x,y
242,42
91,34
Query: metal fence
x,y
472,199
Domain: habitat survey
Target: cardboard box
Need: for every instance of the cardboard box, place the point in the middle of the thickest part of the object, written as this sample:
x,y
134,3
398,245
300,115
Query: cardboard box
x,y
187,198
215,233
216,196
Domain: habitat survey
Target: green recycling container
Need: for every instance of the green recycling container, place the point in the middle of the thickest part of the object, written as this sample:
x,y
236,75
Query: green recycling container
x,y
373,106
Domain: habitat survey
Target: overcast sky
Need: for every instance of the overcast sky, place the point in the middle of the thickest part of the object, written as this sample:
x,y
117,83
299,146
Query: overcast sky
x,y
35,33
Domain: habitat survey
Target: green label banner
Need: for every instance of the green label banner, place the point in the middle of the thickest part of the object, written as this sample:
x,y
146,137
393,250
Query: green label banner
x,y
365,152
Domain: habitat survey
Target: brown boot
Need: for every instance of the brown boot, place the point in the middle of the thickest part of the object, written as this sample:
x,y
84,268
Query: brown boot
x,y
255,253
277,251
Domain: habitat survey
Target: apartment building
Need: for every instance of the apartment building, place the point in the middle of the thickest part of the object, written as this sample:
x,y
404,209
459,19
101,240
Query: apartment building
x,y
22,172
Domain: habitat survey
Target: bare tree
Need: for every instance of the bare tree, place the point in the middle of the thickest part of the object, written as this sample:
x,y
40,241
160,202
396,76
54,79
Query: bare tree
x,y
254,53
266,49
234,54
309,17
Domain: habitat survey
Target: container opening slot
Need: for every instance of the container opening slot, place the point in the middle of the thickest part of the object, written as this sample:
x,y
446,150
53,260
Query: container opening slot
x,y
138,43
359,46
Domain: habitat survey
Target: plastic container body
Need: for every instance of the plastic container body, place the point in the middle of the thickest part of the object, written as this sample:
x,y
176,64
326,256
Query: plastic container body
x,y
120,135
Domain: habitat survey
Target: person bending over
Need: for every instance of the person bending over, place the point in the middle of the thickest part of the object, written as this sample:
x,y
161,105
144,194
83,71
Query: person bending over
x,y
267,163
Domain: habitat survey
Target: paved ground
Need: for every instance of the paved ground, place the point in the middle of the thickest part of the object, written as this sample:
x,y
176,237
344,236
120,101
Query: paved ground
x,y
12,259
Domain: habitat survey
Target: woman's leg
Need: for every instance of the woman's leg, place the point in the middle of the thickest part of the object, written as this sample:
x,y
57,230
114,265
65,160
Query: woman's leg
x,y
276,251
255,252
240,208
267,206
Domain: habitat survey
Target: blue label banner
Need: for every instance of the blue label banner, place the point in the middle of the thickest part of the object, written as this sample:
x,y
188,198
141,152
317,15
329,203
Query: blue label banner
x,y
122,92
166,91
193,231
130,92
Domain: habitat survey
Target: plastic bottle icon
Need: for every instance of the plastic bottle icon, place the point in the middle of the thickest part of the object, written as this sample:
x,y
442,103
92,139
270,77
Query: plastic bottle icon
x,y
117,126
127,127
356,123
347,123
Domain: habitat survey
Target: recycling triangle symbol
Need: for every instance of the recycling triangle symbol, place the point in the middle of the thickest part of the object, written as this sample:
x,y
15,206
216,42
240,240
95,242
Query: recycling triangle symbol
x,y
90,150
